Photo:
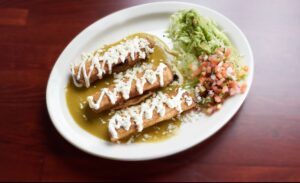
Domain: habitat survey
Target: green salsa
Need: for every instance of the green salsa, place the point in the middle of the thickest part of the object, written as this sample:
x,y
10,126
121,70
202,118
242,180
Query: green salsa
x,y
97,124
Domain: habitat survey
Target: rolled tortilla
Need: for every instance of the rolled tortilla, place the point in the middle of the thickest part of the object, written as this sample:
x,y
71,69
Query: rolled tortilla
x,y
134,82
116,59
153,111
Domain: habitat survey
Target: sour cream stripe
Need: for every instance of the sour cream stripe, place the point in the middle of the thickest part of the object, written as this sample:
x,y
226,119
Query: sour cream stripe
x,y
145,111
124,82
104,63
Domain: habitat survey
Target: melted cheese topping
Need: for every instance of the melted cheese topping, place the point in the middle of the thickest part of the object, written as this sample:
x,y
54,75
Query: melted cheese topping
x,y
137,114
123,83
111,57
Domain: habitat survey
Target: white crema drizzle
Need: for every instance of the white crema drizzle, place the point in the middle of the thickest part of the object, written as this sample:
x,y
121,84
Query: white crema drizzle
x,y
123,83
110,58
137,114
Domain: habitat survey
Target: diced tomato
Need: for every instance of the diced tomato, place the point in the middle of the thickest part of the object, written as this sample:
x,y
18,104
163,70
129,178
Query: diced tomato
x,y
204,64
214,63
210,110
243,87
219,75
226,65
225,89
220,82
217,99
232,84
227,52
224,73
202,80
208,69
216,89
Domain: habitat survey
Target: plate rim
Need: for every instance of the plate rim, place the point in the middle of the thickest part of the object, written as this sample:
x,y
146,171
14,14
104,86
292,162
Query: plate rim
x,y
184,148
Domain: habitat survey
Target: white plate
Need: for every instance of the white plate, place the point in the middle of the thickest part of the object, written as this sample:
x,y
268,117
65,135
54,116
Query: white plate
x,y
152,18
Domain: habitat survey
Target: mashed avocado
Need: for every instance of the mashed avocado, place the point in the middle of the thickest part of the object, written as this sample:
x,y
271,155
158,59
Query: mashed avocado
x,y
194,34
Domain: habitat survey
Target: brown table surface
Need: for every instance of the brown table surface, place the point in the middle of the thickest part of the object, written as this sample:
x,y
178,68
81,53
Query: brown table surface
x,y
261,142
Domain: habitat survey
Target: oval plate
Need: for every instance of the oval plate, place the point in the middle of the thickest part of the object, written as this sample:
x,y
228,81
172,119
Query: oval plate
x,y
151,18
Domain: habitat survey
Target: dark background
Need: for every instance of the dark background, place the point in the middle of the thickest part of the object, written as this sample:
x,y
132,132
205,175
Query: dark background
x,y
261,143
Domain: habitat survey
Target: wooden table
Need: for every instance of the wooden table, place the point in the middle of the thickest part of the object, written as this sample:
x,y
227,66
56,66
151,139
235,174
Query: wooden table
x,y
261,143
